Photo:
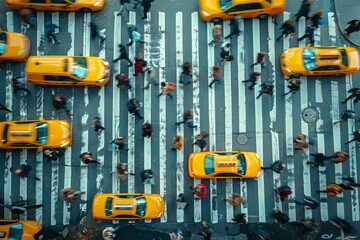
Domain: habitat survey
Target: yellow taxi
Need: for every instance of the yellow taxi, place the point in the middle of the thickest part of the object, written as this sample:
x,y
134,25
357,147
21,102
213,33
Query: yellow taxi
x,y
57,5
127,206
217,10
317,61
35,134
19,229
224,164
14,46
68,70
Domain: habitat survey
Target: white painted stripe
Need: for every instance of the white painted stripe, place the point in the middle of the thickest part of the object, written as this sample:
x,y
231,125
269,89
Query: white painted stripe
x,y
212,122
322,173
318,90
259,122
196,90
86,34
340,210
332,29
55,20
179,110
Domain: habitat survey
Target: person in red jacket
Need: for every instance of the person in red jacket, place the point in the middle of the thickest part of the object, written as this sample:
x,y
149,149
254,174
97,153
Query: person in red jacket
x,y
139,65
200,190
283,192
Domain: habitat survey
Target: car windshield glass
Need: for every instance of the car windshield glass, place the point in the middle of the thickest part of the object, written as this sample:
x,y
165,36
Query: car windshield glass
x,y
344,57
209,164
42,133
16,231
79,68
4,137
309,59
140,206
224,4
108,207
241,164
3,41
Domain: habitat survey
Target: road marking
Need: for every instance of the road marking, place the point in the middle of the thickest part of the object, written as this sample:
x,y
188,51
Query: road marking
x,y
322,173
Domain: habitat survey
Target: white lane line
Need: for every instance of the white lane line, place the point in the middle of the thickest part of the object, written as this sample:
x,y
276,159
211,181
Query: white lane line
x,y
55,20
322,169
180,112
196,90
259,122
212,122
68,157
318,90
162,118
332,29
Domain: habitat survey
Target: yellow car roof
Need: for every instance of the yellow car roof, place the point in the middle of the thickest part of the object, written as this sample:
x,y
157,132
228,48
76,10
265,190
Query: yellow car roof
x,y
328,56
226,164
24,133
41,64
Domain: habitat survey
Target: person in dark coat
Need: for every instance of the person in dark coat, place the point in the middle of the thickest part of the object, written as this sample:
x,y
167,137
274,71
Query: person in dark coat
x,y
19,207
283,192
18,83
186,76
23,171
97,125
252,79
123,4
315,19
52,154
234,26
134,107
277,166
345,116
342,224
50,31
354,93
294,86
123,80
319,159
147,177
280,216
2,107
309,202
225,52
356,135
201,140
123,55
304,10
188,119
266,87
240,219
47,233
28,16
260,59
147,130
121,143
287,28
146,5
60,102
95,32
354,26
349,183
309,33
87,157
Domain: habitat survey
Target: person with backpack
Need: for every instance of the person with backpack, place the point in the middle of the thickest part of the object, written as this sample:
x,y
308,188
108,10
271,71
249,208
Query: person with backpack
x,y
134,106
134,35
283,192
287,28
186,76
225,52
304,11
166,88
252,79
277,166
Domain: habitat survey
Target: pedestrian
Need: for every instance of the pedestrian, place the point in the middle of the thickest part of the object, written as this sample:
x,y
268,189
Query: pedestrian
x,y
147,130
287,28
146,5
23,171
60,102
134,35
217,35
50,32
28,16
236,199
149,75
354,26
281,217
345,116
294,86
277,166
123,55
19,207
52,154
95,32
108,233
304,11
121,143
122,171
200,190
134,106
87,157
340,157
48,233
70,195
18,83
97,125
139,65
205,231
166,88
354,92
309,202
136,3
332,190
147,177
234,26
319,159
201,140
123,80
260,59
2,107
356,135
349,183
215,75
225,52
188,119
267,88
240,219
309,33
316,19
186,76
343,225
283,192
252,79
178,143
123,5
181,201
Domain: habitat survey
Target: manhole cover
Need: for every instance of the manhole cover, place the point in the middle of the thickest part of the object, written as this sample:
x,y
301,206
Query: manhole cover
x,y
310,115
242,138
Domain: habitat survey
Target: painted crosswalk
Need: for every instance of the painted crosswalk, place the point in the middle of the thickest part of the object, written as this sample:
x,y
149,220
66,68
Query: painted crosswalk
x,y
225,111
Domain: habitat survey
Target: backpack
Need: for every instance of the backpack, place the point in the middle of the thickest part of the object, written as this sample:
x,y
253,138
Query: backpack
x,y
172,86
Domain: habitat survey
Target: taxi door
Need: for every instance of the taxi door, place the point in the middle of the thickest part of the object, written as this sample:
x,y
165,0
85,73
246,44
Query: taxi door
x,y
246,10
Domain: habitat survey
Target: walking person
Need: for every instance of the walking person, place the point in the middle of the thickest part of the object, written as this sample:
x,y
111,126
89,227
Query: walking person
x,y
150,77
340,157
134,35
18,83
87,157
134,106
200,190
28,16
354,93
267,88
240,219
2,107
123,55
225,52
139,65
123,5
146,5
216,72
283,192
121,143
186,76
50,32
70,195
96,124
345,116
181,201
316,19
260,59
95,32
349,183
201,140
147,177
122,171
235,200
300,142
24,171
309,33
252,79
136,3
304,11
166,88
356,137
217,35
188,119
309,202
287,28
281,217
277,166
332,190
123,80
294,86
147,130
234,26
354,26
60,102
319,159
52,154
178,143
19,207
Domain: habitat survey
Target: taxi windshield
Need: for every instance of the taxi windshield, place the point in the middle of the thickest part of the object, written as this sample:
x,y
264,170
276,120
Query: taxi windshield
x,y
42,133
224,4
16,231
79,68
3,41
209,164
241,164
309,59
140,206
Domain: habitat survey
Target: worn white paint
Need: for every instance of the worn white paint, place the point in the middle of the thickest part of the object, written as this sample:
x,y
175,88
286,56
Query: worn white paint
x,y
322,169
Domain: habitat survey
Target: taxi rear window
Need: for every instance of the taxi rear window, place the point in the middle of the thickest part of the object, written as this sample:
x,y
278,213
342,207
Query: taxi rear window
x,y
108,207
4,137
241,164
309,59
344,57
209,164
3,42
